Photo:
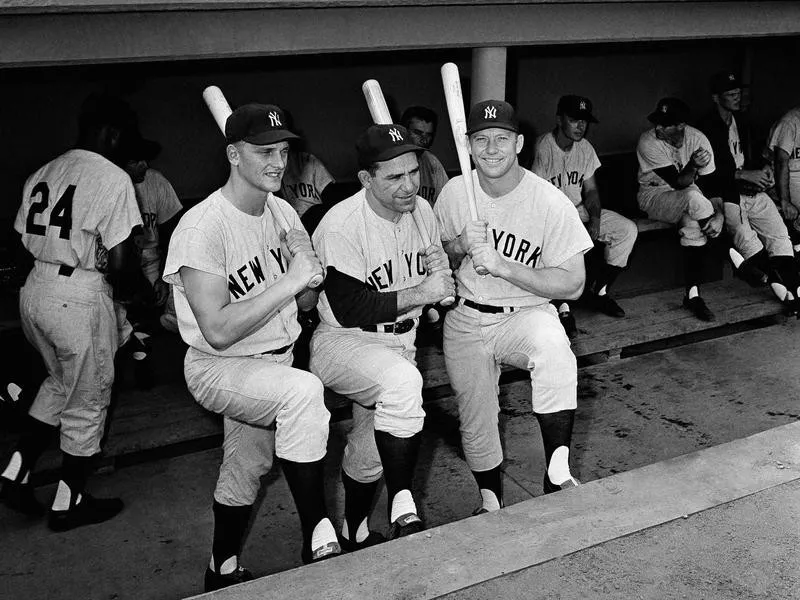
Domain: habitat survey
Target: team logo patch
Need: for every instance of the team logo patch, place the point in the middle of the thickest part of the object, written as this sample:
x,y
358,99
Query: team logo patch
x,y
731,77
274,119
490,112
396,135
582,105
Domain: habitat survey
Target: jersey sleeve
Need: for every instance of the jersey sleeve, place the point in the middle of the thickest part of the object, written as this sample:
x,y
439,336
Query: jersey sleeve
x,y
169,204
115,225
322,177
702,142
592,162
565,235
542,160
337,250
784,136
194,248
651,156
440,177
448,209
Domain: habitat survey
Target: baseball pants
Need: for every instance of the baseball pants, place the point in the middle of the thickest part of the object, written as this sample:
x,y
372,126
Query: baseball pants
x,y
378,372
476,344
680,207
756,218
619,234
71,322
267,406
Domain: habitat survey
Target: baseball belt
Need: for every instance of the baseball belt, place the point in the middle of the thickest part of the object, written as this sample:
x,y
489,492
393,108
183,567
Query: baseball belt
x,y
396,328
486,308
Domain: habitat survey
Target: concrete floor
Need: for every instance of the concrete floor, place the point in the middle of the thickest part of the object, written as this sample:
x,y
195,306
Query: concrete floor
x,y
632,413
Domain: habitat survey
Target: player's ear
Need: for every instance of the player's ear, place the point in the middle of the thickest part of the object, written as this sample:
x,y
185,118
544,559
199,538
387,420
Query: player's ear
x,y
232,152
365,178
520,142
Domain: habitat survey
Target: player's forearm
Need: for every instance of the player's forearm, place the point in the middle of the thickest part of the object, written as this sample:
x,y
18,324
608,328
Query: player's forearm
x,y
591,201
686,177
550,282
412,298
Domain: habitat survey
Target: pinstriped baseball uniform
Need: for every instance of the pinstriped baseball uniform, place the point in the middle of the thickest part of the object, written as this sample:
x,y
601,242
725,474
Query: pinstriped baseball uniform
x,y
534,225
432,176
73,210
567,171
251,382
304,180
785,135
375,369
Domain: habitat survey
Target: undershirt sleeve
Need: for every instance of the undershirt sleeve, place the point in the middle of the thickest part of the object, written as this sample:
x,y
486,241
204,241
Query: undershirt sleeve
x,y
355,304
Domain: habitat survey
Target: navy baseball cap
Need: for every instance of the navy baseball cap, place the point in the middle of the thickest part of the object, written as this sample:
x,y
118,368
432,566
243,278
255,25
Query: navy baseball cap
x,y
259,124
669,111
576,107
725,81
492,113
383,142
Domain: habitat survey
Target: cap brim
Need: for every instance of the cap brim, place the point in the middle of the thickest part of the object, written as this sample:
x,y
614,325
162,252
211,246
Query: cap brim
x,y
271,137
582,116
483,126
657,118
395,151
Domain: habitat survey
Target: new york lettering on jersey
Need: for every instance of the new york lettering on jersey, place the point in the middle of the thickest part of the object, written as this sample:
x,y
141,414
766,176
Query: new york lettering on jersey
x,y
383,277
516,248
246,278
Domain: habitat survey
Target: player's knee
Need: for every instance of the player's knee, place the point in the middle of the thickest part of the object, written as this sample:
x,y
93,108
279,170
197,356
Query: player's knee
x,y
403,377
628,231
699,207
308,387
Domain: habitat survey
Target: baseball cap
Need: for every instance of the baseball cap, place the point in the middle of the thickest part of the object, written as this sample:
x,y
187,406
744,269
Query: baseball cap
x,y
101,108
383,142
576,107
725,81
492,113
669,111
259,124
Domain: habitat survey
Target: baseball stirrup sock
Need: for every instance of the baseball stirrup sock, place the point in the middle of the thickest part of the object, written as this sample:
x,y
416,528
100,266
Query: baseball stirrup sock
x,y
14,469
34,441
230,524
323,534
63,499
490,484
306,482
558,469
358,498
399,458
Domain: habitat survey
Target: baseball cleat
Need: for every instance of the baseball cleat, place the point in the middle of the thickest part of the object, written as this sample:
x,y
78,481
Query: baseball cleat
x,y
214,581
324,552
373,539
406,524
607,305
88,511
549,487
20,497
698,308
568,323
480,511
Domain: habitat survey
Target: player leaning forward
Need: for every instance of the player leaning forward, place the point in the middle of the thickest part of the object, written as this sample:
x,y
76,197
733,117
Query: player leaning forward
x,y
237,292
379,275
531,241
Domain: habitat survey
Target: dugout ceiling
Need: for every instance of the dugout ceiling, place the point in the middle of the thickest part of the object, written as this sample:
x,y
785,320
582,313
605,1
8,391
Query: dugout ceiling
x,y
76,32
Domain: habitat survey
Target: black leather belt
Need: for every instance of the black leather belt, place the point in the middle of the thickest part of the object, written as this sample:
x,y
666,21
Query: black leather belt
x,y
282,350
66,271
486,308
396,328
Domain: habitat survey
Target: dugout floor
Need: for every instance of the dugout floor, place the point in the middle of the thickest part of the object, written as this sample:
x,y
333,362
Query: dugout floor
x,y
635,414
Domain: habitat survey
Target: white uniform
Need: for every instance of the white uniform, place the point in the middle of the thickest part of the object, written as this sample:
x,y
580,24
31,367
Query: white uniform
x,y
785,134
534,225
303,181
74,209
251,383
567,171
660,200
158,203
377,370
432,177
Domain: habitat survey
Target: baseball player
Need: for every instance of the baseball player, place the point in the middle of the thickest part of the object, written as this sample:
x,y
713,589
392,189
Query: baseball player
x,y
76,219
752,220
530,240
674,160
784,147
421,123
379,276
566,159
237,293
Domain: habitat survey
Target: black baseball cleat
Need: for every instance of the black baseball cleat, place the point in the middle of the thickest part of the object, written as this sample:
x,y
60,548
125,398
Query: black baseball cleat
x,y
325,552
792,307
480,511
568,323
751,274
214,581
406,524
607,305
20,497
373,539
549,487
88,511
698,308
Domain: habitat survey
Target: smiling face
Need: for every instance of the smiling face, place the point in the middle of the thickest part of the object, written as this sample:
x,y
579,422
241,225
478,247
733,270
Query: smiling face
x,y
392,190
494,152
261,167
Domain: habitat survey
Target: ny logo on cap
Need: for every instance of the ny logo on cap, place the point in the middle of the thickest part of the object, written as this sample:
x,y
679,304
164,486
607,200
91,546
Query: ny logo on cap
x,y
274,119
664,108
582,105
731,77
396,135
490,112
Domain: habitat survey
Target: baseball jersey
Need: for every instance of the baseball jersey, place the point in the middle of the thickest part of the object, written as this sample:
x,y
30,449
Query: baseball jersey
x,y
216,237
76,207
786,135
566,170
158,203
432,176
735,144
303,181
654,153
535,225
367,247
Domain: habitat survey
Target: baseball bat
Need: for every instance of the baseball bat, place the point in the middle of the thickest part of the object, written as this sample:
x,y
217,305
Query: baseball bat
x,y
451,81
221,110
379,110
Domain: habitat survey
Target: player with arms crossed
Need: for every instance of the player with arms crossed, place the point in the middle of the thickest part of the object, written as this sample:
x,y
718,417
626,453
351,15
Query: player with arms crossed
x,y
379,276
567,160
76,219
237,293
531,241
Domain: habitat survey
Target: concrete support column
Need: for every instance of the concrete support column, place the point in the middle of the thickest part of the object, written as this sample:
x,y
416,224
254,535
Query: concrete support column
x,y
488,74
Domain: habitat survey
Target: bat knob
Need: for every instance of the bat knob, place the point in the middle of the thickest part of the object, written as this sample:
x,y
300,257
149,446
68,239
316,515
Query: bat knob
x,y
482,271
448,301
315,281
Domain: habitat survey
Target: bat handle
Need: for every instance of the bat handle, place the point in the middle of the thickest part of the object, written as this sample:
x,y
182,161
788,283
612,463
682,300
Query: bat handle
x,y
315,281
448,301
481,271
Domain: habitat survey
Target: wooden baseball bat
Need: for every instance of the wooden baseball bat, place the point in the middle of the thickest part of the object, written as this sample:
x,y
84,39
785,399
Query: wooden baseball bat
x,y
379,110
221,110
451,81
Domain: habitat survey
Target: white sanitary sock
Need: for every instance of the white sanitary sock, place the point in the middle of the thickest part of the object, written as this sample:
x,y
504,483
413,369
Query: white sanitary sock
x,y
402,503
558,469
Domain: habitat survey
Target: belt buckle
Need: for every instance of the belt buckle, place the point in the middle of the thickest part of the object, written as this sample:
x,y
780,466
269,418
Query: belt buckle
x,y
403,326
